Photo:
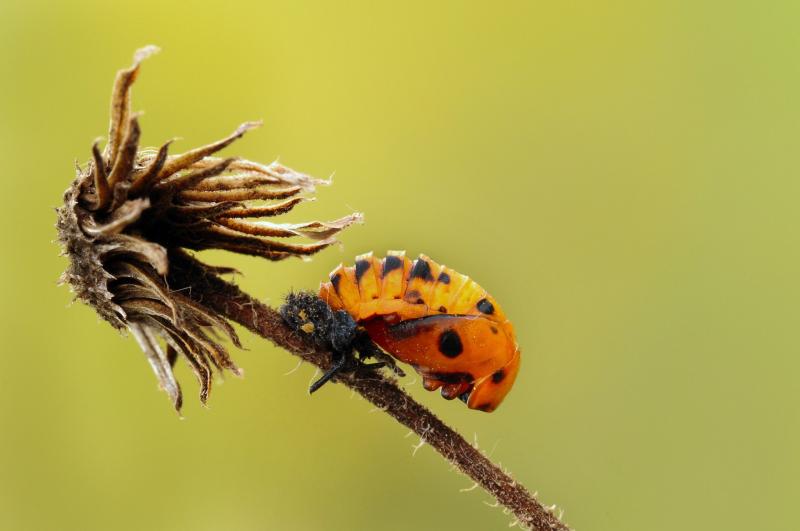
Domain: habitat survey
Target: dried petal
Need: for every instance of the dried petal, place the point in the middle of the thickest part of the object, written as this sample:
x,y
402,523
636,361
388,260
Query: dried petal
x,y
239,194
102,190
265,210
316,230
125,215
144,181
120,102
181,162
158,361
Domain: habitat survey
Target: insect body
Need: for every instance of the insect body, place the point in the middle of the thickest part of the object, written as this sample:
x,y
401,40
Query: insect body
x,y
437,320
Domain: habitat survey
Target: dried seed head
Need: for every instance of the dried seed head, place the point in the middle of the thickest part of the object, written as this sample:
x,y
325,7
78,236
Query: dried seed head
x,y
130,210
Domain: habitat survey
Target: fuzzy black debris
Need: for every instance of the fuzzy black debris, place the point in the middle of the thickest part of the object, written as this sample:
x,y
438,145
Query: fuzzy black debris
x,y
310,315
336,331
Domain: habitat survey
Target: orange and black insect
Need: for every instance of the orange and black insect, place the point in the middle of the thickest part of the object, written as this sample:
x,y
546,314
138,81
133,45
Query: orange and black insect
x,y
441,322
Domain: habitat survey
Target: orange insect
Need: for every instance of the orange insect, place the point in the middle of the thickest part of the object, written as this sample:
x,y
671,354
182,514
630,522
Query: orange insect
x,y
439,321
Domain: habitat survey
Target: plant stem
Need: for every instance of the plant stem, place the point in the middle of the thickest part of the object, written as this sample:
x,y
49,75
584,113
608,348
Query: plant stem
x,y
383,392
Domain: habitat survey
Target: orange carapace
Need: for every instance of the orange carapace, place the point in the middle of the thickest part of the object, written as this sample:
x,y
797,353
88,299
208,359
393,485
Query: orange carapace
x,y
439,321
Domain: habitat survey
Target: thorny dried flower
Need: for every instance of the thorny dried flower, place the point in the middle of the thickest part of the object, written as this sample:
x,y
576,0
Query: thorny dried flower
x,y
130,210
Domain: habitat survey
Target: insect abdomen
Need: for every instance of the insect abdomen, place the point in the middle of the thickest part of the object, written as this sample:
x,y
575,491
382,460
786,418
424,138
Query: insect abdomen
x,y
396,285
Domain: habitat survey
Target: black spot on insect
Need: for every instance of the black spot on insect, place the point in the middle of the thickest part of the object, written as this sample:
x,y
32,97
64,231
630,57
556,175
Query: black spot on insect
x,y
485,306
453,377
361,267
410,328
484,407
498,376
494,329
402,330
420,301
421,269
422,325
444,278
335,280
442,309
450,344
412,295
391,263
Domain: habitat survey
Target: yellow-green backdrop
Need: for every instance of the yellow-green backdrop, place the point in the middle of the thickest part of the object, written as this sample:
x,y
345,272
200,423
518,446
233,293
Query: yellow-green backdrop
x,y
622,176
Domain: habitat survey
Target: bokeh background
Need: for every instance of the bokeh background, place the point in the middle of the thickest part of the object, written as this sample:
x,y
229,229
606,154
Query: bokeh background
x,y
622,176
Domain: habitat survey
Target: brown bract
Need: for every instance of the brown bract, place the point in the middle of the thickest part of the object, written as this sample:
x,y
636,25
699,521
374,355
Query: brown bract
x,y
130,212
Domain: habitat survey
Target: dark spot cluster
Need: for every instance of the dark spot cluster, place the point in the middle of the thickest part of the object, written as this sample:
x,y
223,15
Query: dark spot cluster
x,y
450,344
444,278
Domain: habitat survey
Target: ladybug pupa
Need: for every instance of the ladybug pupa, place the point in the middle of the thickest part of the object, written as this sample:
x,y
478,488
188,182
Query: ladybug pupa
x,y
442,323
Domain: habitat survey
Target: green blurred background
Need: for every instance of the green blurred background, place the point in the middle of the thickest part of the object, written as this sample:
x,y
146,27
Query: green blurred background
x,y
623,178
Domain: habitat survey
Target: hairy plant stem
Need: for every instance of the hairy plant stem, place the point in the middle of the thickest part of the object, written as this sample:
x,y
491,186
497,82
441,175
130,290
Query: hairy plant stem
x,y
236,305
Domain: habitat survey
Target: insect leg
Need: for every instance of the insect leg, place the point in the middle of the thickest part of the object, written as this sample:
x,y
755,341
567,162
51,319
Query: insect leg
x,y
339,362
368,349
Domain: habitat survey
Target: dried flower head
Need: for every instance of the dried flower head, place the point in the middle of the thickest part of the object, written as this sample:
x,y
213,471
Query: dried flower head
x,y
131,210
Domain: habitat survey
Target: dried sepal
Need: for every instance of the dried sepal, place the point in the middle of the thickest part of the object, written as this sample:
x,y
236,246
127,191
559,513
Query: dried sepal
x,y
145,179
276,209
186,160
316,230
254,193
131,209
158,360
121,101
